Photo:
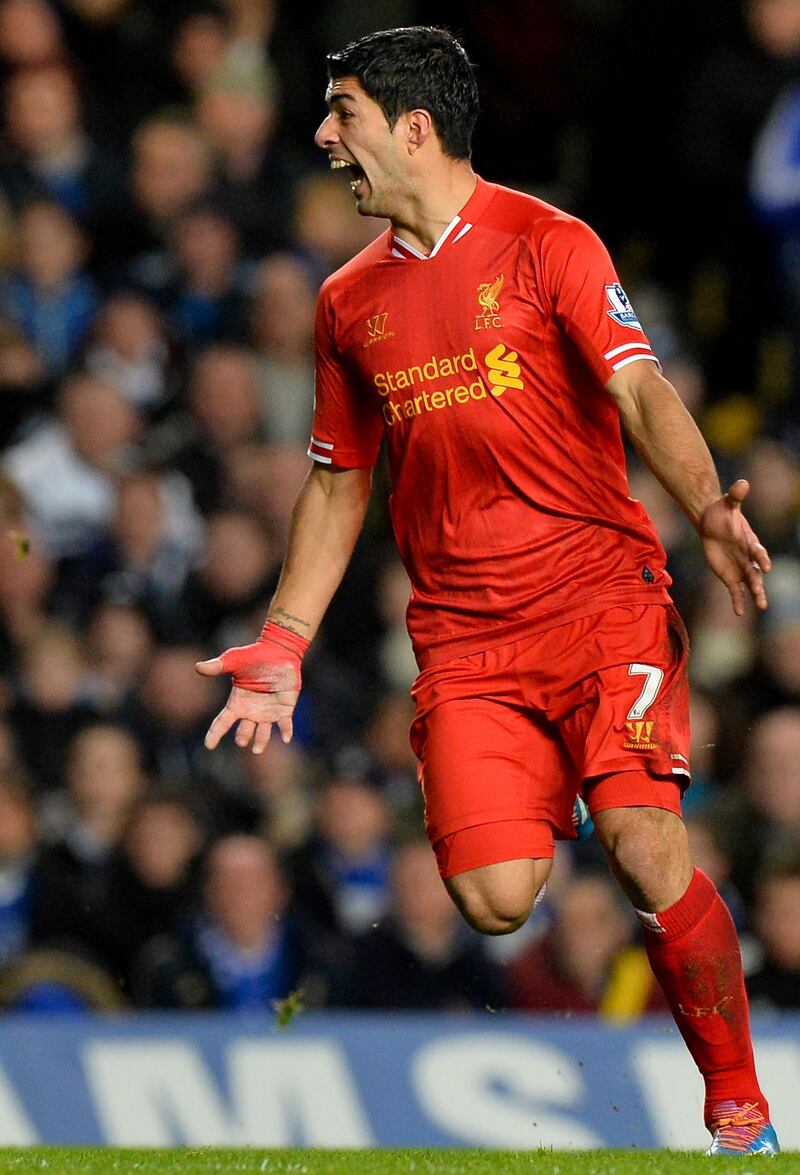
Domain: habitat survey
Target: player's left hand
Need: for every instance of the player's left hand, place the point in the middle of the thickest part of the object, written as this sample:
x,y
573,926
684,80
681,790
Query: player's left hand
x,y
732,549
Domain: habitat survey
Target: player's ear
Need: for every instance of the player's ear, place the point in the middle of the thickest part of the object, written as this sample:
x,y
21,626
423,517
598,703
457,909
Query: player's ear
x,y
419,128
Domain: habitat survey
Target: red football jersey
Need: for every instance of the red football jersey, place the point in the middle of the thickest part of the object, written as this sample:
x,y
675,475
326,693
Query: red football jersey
x,y
484,366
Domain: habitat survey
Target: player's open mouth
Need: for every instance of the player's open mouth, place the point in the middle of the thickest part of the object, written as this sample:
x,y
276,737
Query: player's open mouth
x,y
356,173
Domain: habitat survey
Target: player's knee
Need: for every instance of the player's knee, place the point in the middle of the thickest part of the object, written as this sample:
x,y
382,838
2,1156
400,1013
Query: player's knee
x,y
645,844
648,852
489,918
498,899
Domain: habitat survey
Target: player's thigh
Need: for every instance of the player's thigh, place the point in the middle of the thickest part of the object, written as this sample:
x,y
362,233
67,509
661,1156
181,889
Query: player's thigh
x,y
497,782
630,715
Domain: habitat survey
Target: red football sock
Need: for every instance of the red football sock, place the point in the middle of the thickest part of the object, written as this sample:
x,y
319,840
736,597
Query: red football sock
x,y
694,952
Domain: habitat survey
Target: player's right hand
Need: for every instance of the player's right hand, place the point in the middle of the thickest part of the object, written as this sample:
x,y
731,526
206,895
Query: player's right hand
x,y
266,685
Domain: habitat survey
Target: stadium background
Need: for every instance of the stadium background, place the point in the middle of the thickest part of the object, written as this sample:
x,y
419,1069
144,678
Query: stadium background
x,y
164,227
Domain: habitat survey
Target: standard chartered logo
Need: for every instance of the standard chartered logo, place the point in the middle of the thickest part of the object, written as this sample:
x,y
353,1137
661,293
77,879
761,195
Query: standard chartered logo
x,y
503,370
466,383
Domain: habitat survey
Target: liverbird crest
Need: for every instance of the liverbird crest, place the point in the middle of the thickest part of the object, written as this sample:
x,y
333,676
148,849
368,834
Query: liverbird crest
x,y
488,293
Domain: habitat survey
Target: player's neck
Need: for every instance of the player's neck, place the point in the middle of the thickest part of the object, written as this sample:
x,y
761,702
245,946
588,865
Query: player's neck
x,y
429,209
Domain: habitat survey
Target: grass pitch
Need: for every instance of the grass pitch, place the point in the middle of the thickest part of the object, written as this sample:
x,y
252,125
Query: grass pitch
x,y
77,1161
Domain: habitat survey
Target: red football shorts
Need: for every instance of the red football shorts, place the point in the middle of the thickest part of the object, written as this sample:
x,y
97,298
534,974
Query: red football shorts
x,y
507,738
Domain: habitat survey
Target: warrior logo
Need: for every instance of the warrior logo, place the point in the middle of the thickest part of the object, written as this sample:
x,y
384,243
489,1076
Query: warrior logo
x,y
376,329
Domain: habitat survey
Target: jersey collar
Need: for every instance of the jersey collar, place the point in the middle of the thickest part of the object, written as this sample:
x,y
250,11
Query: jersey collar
x,y
456,230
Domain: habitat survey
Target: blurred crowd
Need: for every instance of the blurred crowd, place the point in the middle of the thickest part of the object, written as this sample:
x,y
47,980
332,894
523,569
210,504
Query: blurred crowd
x,y
164,228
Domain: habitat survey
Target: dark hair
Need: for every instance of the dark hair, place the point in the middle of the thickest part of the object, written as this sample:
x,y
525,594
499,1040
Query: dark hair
x,y
418,67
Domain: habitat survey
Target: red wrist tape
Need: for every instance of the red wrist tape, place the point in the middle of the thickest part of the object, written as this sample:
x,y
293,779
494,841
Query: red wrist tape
x,y
287,637
270,664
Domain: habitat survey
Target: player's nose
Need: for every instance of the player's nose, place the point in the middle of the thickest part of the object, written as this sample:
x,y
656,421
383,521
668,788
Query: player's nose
x,y
326,135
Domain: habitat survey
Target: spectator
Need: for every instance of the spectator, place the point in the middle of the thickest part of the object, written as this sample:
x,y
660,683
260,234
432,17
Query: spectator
x,y
201,41
50,297
776,984
237,112
52,156
171,169
68,466
327,229
392,762
773,771
198,281
706,736
780,644
145,556
253,20
52,703
724,648
240,952
396,656
774,677
119,647
588,961
175,706
22,379
130,349
106,37
774,500
103,779
419,956
223,413
279,782
265,479
29,33
712,839
84,825
768,810
282,322
152,883
237,575
773,184
728,97
341,876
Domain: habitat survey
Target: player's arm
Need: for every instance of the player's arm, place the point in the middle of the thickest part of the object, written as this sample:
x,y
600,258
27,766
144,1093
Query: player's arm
x,y
326,522
670,443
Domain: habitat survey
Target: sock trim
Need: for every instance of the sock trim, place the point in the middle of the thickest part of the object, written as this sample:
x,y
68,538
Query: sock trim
x,y
685,914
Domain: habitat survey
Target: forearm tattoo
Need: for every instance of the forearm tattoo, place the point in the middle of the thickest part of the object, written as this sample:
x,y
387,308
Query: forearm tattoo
x,y
285,619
